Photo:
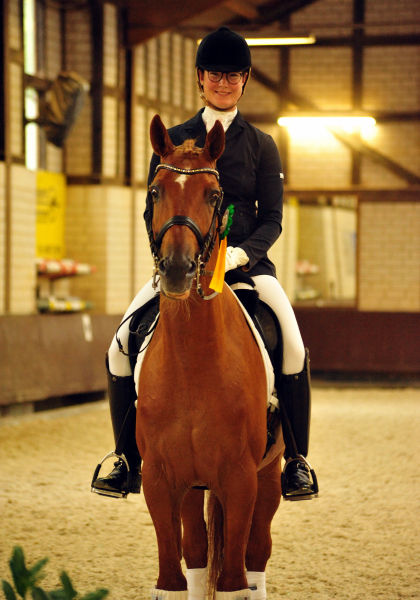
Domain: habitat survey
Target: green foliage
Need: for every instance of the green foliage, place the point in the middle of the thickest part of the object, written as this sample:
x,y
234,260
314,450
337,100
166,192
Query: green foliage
x,y
25,580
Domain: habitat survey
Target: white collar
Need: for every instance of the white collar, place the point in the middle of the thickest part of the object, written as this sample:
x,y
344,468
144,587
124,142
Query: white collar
x,y
210,116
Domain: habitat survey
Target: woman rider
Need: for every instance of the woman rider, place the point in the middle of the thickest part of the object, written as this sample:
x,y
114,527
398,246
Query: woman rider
x,y
250,171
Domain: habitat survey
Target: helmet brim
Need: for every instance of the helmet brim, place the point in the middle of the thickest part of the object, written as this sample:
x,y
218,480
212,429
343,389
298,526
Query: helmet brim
x,y
230,68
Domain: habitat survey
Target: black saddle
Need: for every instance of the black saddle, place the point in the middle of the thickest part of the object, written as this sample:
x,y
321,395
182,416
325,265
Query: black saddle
x,y
262,315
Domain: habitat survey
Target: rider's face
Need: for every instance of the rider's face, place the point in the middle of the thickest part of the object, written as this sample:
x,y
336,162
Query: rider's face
x,y
222,94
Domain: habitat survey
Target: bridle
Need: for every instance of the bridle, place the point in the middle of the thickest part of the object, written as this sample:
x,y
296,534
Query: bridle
x,y
206,243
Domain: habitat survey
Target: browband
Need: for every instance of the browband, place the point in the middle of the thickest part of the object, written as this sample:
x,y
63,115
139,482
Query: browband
x,y
187,171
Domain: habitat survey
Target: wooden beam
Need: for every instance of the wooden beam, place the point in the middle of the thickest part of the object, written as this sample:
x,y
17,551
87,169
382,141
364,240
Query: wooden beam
x,y
368,40
243,8
357,145
148,18
97,91
357,80
273,11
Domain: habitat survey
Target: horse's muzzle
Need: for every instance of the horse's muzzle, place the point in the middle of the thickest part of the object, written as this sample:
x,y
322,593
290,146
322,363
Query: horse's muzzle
x,y
176,275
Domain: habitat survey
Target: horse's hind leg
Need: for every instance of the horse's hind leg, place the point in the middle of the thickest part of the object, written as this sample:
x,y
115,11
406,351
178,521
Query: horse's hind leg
x,y
268,499
164,507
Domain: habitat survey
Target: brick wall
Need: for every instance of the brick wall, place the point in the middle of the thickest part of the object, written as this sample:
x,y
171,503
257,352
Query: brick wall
x,y
324,16
317,161
389,256
284,252
143,263
323,76
98,232
23,220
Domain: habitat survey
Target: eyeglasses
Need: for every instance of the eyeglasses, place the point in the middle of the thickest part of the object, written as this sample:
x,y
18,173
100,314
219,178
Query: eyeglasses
x,y
233,78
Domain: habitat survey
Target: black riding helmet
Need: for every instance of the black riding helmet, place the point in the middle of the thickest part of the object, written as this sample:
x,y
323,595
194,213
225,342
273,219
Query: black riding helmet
x,y
223,50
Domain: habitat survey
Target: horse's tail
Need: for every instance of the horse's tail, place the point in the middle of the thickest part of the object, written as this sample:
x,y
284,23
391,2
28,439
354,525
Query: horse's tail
x,y
215,542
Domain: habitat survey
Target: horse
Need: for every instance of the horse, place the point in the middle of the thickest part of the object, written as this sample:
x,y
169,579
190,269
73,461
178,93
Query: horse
x,y
202,390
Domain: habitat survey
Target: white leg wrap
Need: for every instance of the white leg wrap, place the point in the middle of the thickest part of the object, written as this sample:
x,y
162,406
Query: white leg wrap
x,y
197,583
166,595
239,595
256,582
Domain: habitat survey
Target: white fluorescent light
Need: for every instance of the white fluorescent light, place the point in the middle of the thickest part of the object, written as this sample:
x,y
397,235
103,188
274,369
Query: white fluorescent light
x,y
281,41
327,121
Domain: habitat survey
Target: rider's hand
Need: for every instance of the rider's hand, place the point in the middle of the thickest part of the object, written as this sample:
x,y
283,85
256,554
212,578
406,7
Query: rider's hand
x,y
235,257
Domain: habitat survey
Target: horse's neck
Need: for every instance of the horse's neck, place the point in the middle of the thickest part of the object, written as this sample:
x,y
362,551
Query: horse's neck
x,y
195,321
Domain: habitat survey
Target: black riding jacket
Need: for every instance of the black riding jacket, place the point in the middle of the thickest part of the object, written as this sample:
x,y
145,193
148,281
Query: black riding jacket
x,y
249,171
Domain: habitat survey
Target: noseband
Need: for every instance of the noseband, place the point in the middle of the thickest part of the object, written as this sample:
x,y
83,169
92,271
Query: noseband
x,y
205,243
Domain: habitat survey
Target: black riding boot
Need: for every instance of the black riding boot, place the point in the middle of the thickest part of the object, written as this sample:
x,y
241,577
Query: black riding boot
x,y
298,479
121,481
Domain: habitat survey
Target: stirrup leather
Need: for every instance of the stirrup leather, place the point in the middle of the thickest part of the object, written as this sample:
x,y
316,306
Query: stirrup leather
x,y
125,489
305,496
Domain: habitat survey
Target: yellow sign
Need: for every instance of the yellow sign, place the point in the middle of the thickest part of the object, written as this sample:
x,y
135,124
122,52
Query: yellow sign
x,y
50,215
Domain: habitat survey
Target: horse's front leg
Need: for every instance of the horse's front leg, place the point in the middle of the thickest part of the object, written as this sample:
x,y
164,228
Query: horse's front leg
x,y
194,539
194,543
259,543
164,504
238,495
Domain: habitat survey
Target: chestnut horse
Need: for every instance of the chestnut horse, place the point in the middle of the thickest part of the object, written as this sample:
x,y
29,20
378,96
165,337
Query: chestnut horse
x,y
202,395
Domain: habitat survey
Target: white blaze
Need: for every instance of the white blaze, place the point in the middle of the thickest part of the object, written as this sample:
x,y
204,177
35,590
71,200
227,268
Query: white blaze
x,y
181,180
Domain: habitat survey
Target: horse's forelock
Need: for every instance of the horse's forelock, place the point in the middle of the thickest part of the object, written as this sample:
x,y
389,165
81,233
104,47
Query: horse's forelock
x,y
188,149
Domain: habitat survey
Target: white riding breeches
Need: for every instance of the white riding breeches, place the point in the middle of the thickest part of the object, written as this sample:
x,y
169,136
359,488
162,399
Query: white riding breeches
x,y
119,364
270,292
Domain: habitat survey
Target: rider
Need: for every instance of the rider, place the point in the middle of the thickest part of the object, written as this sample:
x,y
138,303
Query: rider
x,y
250,170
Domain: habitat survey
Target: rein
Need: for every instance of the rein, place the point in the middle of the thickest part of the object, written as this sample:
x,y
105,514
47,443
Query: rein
x,y
206,243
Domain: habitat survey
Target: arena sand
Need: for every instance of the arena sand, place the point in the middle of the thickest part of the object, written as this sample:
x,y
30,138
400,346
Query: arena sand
x,y
359,541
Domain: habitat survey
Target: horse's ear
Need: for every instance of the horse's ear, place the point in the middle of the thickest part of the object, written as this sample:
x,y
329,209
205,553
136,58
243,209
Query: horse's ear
x,y
161,142
215,142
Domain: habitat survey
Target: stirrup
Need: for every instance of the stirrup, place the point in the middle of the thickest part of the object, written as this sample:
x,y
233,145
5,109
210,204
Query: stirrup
x,y
305,496
124,492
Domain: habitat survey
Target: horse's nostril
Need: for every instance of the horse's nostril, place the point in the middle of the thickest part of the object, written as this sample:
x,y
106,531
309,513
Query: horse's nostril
x,y
193,268
162,265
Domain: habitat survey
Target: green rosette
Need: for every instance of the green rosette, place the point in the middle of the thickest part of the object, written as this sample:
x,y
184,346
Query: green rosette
x,y
227,221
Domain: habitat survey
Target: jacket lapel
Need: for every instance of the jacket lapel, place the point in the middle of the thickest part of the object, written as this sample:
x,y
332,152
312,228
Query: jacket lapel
x,y
236,126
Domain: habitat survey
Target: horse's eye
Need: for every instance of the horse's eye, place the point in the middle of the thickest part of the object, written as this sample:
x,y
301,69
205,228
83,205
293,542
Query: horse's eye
x,y
154,193
214,197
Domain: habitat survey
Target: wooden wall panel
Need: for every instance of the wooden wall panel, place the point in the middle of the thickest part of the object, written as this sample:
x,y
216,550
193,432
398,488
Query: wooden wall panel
x,y
351,341
44,356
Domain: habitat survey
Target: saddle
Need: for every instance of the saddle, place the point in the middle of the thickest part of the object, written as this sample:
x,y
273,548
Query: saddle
x,y
265,321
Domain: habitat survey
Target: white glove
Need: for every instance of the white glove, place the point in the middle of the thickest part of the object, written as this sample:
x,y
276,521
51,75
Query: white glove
x,y
235,257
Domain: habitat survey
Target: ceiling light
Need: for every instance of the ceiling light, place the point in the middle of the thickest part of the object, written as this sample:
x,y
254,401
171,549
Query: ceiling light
x,y
327,121
281,41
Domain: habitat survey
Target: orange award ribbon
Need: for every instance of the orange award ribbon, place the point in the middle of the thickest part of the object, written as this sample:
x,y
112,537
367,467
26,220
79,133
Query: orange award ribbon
x,y
218,278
